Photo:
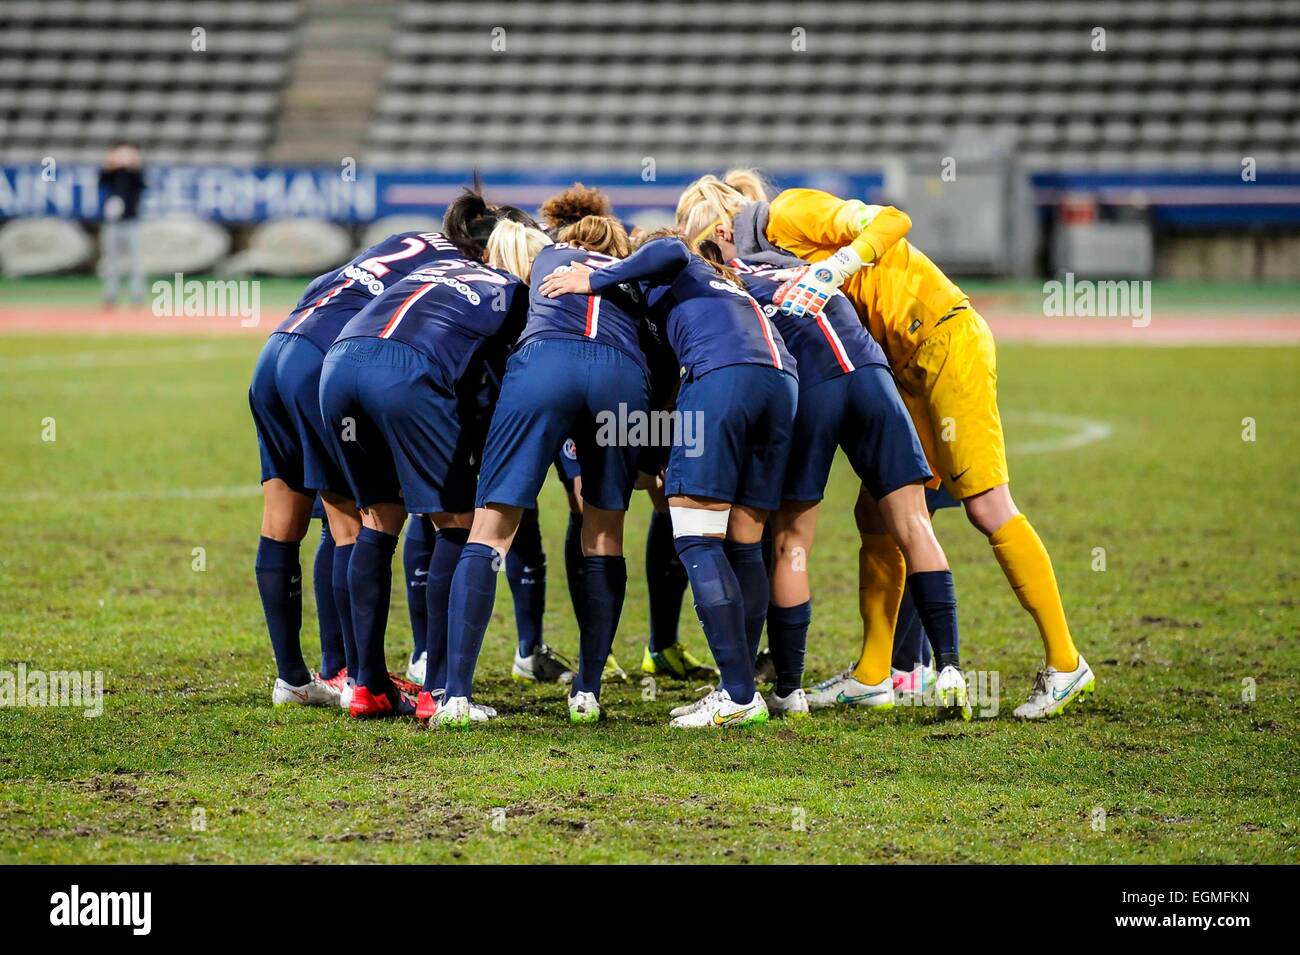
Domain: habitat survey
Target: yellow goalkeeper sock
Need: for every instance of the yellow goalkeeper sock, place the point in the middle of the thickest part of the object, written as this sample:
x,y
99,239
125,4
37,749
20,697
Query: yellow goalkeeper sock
x,y
1028,567
882,574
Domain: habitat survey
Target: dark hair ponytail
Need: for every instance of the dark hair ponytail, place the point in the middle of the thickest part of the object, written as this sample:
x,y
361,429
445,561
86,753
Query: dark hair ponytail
x,y
468,222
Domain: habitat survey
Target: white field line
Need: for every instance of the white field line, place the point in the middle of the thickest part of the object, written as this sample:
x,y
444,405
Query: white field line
x,y
1078,433
123,358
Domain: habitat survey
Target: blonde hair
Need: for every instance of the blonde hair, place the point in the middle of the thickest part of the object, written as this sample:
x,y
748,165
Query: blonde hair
x,y
749,183
597,234
709,202
513,247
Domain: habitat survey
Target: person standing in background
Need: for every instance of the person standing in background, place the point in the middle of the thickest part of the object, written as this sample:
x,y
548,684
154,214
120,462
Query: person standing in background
x,y
121,184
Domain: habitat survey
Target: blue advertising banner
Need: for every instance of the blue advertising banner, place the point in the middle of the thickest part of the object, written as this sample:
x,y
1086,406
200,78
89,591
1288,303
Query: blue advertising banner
x,y
253,195
234,195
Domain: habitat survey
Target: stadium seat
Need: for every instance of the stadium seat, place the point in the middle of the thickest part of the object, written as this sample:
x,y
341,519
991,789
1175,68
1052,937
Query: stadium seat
x,y
889,76
77,76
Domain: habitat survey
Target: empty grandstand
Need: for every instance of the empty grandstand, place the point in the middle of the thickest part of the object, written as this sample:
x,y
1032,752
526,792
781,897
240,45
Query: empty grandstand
x,y
1177,116
1174,84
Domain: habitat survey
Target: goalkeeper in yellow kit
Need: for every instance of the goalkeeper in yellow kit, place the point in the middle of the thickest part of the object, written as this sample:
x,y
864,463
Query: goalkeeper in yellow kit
x,y
943,357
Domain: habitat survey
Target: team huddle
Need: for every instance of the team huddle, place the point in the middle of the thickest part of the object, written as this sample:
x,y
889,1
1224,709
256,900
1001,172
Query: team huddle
x,y
439,377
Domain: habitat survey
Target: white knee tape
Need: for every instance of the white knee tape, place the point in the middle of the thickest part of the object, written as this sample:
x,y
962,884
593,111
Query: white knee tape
x,y
697,522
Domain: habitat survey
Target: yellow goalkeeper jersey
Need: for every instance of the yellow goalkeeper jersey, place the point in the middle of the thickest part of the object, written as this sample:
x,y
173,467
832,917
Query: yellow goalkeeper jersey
x,y
900,295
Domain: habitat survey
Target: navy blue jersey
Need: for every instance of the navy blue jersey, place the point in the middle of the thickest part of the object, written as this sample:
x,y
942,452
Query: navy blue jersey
x,y
333,298
612,316
710,323
459,313
833,344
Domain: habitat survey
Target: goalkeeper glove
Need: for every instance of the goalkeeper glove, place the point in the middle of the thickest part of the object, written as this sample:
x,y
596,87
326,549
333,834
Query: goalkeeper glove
x,y
806,295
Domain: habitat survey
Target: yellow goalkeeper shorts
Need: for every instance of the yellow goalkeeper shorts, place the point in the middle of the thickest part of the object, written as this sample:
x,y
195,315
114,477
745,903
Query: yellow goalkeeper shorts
x,y
951,389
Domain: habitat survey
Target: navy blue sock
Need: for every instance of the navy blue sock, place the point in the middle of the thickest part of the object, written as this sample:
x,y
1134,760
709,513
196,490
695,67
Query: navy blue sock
x,y
721,609
604,584
469,610
573,564
526,573
936,604
416,552
911,647
370,582
751,573
665,579
343,604
332,657
446,555
787,638
279,581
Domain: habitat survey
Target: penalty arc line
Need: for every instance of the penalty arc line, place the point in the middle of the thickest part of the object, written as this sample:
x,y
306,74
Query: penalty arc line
x,y
1079,432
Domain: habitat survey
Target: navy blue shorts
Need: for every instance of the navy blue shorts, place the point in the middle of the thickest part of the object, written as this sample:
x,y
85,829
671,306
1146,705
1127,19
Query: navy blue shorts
x,y
937,498
285,399
395,427
567,468
733,438
862,413
554,389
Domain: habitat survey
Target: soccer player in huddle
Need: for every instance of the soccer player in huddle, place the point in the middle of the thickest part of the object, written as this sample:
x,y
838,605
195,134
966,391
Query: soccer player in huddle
x,y
943,356
400,392
848,400
284,397
577,357
740,384
666,582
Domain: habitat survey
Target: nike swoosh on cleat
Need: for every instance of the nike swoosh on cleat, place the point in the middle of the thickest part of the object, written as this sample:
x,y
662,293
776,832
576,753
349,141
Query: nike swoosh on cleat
x,y
843,697
720,720
1066,692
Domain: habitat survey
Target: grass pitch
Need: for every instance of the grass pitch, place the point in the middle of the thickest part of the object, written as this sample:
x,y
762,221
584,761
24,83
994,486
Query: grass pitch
x,y
155,456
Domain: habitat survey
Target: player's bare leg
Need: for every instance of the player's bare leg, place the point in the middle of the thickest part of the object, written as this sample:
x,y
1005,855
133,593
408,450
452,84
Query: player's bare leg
x,y
794,527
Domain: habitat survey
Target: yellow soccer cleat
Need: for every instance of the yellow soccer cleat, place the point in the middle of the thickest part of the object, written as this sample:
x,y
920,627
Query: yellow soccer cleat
x,y
677,662
612,671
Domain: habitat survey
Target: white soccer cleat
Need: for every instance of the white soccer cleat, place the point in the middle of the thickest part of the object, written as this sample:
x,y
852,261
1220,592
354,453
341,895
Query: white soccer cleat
x,y
795,705
1054,690
950,691
314,692
478,712
910,686
584,708
844,689
719,711
416,668
685,708
455,713
543,665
